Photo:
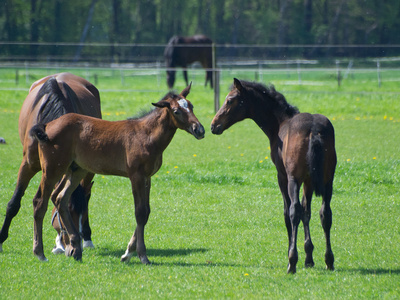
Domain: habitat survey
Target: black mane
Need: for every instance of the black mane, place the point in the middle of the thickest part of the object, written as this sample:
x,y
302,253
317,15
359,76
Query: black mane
x,y
56,103
144,112
270,97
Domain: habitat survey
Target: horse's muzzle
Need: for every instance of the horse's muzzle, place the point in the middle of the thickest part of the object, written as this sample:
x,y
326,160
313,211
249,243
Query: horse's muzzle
x,y
216,129
197,130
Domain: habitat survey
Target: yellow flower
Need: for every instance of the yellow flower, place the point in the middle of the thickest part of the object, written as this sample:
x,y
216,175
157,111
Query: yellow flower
x,y
374,157
176,167
266,157
241,154
385,117
348,159
261,161
246,274
194,155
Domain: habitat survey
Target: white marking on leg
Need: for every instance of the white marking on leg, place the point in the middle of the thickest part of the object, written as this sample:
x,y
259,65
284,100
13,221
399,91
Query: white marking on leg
x,y
184,104
59,248
127,256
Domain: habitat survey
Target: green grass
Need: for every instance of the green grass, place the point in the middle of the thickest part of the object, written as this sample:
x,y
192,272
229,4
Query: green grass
x,y
216,229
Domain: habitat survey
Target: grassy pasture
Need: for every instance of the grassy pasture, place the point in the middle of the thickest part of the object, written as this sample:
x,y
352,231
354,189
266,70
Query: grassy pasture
x,y
216,229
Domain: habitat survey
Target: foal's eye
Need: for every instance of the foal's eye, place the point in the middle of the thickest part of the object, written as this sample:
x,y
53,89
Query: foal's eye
x,y
229,102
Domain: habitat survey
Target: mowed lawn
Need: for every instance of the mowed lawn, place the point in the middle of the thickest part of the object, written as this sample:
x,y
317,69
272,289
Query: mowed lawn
x,y
216,229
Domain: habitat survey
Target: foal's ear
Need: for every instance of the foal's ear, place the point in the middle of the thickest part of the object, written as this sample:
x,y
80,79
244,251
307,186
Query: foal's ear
x,y
162,104
186,90
237,84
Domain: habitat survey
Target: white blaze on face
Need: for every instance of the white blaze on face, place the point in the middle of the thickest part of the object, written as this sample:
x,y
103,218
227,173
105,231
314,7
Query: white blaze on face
x,y
184,104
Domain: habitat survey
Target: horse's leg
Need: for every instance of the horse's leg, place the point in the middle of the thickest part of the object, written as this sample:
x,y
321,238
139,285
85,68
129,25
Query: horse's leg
x,y
25,174
141,192
295,215
86,230
326,220
60,199
185,75
283,185
306,204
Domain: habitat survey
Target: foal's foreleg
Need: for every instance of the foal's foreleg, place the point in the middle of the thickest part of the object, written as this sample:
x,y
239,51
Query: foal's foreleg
x,y
326,220
141,193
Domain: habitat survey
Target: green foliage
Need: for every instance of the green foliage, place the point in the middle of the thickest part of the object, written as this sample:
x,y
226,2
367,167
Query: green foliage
x,y
216,229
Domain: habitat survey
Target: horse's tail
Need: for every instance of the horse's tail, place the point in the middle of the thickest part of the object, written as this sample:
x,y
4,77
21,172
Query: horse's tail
x,y
38,131
315,158
56,103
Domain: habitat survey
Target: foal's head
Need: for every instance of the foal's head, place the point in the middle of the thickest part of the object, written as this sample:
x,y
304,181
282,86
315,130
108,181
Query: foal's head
x,y
181,112
234,109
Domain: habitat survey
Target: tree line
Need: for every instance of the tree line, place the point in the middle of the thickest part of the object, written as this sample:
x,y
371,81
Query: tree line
x,y
321,25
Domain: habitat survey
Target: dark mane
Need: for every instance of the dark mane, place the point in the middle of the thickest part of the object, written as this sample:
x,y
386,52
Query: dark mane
x,y
271,97
144,112
56,103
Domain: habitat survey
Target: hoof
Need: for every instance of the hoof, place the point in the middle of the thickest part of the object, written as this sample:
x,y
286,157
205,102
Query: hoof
x,y
57,250
1,247
42,258
309,264
144,260
330,267
88,244
126,257
291,269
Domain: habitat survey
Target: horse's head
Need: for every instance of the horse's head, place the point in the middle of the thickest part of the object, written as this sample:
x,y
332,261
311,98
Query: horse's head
x,y
233,110
181,111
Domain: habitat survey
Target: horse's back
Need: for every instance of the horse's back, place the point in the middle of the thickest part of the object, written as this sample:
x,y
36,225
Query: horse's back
x,y
300,136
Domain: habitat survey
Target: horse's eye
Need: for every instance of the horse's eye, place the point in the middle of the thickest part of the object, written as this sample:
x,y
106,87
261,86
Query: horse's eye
x,y
229,102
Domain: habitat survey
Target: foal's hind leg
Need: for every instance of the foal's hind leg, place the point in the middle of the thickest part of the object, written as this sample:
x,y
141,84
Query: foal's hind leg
x,y
326,221
295,215
40,204
306,203
60,198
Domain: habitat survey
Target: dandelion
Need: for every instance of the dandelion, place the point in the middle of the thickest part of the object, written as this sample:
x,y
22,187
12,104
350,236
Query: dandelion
x,y
246,274
167,172
374,157
348,159
266,157
333,119
194,155
229,147
260,161
358,118
385,117
176,167
241,154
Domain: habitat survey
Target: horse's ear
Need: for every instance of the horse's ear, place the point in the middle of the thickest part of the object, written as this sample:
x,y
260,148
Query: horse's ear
x,y
237,84
186,90
162,104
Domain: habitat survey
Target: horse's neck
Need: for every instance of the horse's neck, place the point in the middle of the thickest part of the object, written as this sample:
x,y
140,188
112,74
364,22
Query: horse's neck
x,y
160,128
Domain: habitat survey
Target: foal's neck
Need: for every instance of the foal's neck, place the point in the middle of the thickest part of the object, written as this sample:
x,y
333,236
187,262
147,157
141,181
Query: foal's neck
x,y
160,127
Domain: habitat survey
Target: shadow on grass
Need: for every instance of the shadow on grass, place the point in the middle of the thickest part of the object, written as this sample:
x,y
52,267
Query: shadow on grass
x,y
153,252
367,271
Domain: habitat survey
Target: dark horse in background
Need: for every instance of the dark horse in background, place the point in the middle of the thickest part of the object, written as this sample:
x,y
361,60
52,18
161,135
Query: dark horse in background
x,y
48,99
182,51
303,151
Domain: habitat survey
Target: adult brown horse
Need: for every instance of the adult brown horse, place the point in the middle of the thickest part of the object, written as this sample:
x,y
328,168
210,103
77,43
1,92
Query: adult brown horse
x,y
302,149
182,51
48,99
76,145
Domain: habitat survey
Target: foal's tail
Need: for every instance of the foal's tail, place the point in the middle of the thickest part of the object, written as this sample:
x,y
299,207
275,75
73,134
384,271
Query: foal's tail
x,y
315,158
38,131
